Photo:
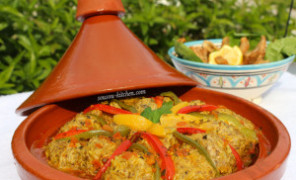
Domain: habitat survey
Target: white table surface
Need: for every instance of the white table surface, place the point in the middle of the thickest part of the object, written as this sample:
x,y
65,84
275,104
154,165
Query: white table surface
x,y
280,101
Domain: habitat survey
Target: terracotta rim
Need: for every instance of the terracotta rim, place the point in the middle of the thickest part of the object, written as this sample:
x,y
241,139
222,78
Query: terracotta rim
x,y
264,168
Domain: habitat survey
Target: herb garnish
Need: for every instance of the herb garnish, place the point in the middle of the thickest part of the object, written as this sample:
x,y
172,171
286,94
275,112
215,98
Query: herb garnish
x,y
154,115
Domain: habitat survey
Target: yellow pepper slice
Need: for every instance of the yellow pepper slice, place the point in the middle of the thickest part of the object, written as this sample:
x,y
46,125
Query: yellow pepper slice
x,y
157,129
134,121
171,120
139,123
179,106
207,126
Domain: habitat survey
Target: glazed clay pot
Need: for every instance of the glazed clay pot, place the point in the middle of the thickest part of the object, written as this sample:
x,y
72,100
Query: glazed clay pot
x,y
36,130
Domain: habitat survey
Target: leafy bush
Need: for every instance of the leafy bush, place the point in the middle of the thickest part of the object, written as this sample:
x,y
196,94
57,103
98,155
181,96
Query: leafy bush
x,y
34,34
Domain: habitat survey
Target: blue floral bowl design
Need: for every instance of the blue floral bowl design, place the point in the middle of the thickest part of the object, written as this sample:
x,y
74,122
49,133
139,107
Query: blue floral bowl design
x,y
247,81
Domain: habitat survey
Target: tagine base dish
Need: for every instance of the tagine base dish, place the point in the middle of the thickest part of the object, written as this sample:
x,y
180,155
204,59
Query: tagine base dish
x,y
36,130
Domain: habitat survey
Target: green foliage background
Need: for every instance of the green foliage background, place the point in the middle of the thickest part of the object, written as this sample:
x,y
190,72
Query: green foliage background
x,y
34,34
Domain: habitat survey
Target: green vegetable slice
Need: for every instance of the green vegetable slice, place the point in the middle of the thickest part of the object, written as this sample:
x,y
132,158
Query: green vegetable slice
x,y
139,147
125,106
122,129
199,147
157,175
185,52
171,95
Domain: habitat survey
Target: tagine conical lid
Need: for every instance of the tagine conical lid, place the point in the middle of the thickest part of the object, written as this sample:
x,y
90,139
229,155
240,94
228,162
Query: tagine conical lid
x,y
104,57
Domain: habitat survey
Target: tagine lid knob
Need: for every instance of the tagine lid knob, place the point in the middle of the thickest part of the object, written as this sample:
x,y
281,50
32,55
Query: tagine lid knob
x,y
87,8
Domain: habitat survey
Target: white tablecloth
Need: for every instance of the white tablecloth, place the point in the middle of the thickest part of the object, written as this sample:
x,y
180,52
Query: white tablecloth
x,y
280,100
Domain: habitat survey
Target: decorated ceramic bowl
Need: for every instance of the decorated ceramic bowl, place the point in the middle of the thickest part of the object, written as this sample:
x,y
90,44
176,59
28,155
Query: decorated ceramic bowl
x,y
247,81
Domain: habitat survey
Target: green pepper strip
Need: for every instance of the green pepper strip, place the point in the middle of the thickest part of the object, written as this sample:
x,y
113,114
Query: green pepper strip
x,y
231,120
139,147
142,148
125,106
171,95
195,144
89,134
100,119
157,172
185,52
122,129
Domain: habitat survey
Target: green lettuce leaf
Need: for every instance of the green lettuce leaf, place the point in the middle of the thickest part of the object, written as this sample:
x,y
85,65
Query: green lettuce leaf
x,y
289,48
281,48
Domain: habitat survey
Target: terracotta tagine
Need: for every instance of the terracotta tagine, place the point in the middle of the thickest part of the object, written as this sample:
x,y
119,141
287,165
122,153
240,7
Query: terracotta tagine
x,y
104,59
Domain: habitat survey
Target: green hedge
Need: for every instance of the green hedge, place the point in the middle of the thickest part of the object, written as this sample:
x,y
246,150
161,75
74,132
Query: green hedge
x,y
34,34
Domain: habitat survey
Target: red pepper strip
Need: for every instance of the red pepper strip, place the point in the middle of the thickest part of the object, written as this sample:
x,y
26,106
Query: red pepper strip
x,y
190,130
107,109
158,100
189,109
69,133
264,145
167,162
119,150
239,162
